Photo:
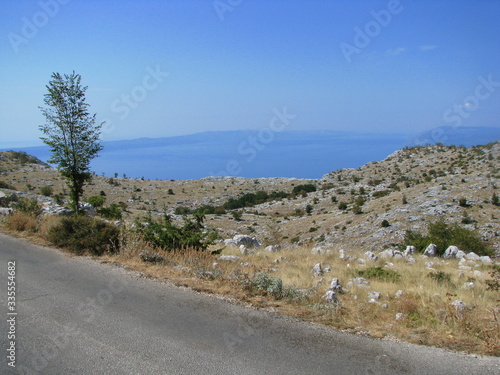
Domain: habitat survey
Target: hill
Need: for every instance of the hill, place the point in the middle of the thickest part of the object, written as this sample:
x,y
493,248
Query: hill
x,y
407,190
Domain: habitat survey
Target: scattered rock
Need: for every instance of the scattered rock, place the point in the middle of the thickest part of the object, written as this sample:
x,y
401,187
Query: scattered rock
x,y
149,257
5,211
486,259
469,286
409,250
472,256
242,239
451,252
272,248
399,316
330,297
229,258
320,250
317,270
431,250
459,305
371,256
398,294
374,295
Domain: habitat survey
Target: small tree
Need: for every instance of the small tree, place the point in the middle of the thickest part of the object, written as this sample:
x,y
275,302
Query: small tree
x,y
70,131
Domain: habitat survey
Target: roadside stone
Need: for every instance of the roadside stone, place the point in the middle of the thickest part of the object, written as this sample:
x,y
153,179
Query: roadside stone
x,y
149,257
330,297
5,211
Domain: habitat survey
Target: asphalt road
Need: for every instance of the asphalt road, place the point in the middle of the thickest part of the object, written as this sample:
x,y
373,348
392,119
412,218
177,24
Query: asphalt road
x,y
77,316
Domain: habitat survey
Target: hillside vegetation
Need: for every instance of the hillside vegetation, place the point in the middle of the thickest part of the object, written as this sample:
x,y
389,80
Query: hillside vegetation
x,y
343,249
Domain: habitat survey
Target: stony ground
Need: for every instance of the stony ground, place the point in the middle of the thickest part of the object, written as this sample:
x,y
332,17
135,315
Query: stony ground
x,y
408,189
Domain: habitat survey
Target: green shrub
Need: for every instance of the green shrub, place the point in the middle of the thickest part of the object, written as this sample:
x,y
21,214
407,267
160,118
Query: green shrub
x,y
379,273
96,201
46,191
165,234
381,193
4,185
28,206
113,212
444,235
269,284
385,224
80,234
440,277
308,188
342,206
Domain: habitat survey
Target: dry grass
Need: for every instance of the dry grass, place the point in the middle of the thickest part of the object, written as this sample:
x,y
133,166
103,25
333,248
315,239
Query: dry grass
x,y
427,316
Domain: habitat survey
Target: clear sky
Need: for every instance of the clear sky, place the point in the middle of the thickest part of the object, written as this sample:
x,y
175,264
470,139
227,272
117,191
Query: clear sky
x,y
159,68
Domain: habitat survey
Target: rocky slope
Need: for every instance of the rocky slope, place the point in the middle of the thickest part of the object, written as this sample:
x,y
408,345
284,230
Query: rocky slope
x,y
368,208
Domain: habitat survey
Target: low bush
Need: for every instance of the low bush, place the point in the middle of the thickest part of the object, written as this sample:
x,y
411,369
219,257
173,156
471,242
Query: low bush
x,y
440,277
28,206
165,234
22,222
444,235
379,273
80,234
269,284
113,212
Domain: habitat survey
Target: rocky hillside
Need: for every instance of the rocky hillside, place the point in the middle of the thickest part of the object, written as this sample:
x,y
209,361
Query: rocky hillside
x,y
369,208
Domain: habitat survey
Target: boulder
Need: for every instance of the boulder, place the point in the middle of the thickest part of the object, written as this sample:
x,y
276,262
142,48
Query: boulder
x,y
431,250
272,248
451,252
5,211
317,270
242,239
472,256
486,259
330,297
409,250
371,256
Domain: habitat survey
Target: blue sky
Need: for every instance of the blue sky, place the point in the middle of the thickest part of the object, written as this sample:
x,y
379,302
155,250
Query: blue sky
x,y
165,68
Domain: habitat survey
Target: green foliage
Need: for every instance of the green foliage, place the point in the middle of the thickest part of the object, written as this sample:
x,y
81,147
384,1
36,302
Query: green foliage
x,y
379,273
237,215
28,206
269,284
4,185
444,235
113,212
440,277
165,234
495,200
307,188
252,199
385,224
96,200
70,132
46,191
309,209
342,206
463,202
80,234
381,193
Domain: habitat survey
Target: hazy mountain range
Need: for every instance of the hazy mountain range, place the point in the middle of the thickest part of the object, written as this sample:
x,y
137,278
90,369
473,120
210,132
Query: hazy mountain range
x,y
254,153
